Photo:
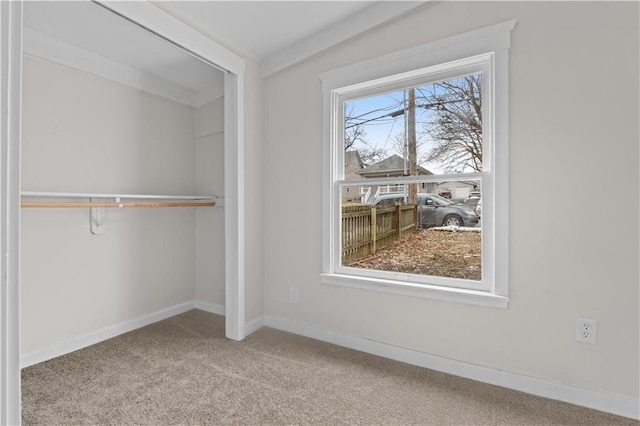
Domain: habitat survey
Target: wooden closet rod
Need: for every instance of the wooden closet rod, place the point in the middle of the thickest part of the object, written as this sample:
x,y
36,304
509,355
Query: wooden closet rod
x,y
115,204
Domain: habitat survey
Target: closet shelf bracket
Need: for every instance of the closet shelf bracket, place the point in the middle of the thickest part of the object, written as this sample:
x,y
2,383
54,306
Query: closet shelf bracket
x,y
97,217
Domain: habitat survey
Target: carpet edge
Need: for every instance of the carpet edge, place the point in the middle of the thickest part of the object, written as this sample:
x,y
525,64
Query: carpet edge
x,y
598,400
91,338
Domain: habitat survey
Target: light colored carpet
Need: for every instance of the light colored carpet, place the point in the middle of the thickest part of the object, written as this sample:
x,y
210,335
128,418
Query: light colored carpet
x,y
183,371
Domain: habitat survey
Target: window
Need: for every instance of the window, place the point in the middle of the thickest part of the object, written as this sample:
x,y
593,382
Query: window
x,y
418,141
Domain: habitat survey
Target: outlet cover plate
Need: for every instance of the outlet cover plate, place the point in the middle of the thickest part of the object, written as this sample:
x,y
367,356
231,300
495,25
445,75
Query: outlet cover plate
x,y
586,330
293,295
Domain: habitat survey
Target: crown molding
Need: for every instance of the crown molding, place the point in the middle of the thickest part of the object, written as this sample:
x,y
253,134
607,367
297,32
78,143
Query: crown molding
x,y
376,15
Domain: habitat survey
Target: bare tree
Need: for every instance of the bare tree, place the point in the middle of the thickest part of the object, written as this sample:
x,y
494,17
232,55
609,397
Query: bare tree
x,y
399,146
371,154
353,135
456,127
355,138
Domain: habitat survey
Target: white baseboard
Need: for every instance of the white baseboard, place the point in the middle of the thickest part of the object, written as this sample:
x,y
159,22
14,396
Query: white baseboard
x,y
598,400
91,338
213,308
253,326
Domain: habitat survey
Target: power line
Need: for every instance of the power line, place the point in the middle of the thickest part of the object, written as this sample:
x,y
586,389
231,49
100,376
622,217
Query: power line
x,y
399,112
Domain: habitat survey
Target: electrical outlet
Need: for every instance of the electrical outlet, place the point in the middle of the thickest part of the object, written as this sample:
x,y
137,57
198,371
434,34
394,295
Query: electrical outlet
x,y
293,295
586,330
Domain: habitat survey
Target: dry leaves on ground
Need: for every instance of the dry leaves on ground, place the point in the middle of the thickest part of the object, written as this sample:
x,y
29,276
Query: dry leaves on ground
x,y
430,252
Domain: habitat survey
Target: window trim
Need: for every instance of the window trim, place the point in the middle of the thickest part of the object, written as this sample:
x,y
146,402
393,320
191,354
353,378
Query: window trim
x,y
399,70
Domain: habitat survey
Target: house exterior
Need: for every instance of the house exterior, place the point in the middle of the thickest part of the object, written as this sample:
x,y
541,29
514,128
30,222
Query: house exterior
x,y
352,166
456,190
393,166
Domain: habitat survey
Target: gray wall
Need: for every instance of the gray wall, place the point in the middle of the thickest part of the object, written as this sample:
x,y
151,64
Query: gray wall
x,y
85,134
574,119
210,222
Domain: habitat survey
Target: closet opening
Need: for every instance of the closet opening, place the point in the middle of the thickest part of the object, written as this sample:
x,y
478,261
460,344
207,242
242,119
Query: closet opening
x,y
132,211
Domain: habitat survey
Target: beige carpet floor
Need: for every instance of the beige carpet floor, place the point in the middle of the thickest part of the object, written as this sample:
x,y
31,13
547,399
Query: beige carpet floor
x,y
183,371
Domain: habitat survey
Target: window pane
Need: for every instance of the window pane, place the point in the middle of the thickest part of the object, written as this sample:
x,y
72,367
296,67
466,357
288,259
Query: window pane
x,y
424,130
434,232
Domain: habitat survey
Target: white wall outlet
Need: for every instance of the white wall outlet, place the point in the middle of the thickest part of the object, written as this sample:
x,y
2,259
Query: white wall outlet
x,y
293,295
586,330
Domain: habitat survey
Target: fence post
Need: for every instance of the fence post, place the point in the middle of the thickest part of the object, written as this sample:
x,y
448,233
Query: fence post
x,y
374,230
399,221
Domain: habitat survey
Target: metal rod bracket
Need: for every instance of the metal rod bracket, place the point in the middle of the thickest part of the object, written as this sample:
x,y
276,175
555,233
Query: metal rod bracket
x,y
97,217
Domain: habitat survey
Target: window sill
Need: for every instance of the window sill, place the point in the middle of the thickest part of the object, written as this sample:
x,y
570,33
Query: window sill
x,y
449,294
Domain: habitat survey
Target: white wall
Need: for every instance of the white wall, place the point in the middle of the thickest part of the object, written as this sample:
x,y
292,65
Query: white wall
x,y
210,222
82,133
255,202
210,179
574,119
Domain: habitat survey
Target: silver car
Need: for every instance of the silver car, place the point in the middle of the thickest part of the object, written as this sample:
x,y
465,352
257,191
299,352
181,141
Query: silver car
x,y
434,210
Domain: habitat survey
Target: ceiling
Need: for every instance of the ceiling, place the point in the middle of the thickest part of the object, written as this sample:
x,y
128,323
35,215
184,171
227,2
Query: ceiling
x,y
262,28
281,33
276,33
97,30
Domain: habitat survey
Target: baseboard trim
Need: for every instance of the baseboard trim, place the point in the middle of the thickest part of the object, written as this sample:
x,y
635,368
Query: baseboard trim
x,y
602,401
250,327
213,308
253,326
91,338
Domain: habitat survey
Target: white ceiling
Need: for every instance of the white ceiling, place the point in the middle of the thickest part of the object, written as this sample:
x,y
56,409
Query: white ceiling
x,y
281,33
276,33
97,30
262,28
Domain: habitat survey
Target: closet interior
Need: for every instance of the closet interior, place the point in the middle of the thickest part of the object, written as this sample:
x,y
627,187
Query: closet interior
x,y
122,176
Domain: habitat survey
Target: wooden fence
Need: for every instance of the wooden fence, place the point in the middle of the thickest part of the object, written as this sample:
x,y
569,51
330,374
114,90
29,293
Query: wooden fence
x,y
365,229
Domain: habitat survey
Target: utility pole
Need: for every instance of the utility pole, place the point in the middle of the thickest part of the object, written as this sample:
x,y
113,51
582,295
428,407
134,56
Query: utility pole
x,y
405,145
411,137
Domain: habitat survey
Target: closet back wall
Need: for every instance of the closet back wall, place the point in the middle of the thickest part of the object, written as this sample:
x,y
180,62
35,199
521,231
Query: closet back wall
x,y
210,222
82,133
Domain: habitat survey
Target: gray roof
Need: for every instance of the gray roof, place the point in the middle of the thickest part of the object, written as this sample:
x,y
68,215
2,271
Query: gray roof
x,y
391,165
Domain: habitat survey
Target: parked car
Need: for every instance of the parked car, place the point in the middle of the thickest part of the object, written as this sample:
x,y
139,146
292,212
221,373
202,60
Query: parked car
x,y
445,193
475,203
434,210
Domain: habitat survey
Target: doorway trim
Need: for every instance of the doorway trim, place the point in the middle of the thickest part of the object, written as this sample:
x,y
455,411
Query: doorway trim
x,y
10,98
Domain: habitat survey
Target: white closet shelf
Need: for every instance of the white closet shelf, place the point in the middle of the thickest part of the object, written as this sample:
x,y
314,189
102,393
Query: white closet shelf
x,y
55,200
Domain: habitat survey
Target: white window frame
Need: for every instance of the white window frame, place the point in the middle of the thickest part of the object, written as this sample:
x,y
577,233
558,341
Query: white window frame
x,y
484,50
